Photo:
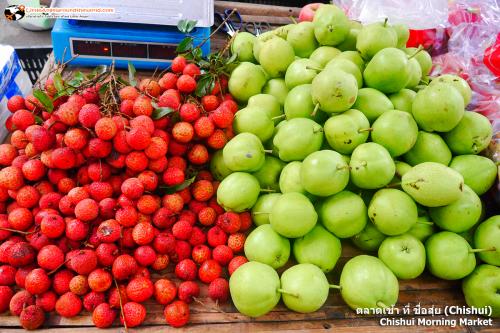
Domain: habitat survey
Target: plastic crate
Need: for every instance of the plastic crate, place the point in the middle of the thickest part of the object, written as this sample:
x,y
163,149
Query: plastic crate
x,y
288,3
33,60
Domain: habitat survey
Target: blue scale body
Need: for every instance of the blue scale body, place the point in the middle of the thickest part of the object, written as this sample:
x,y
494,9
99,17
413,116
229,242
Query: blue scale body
x,y
146,46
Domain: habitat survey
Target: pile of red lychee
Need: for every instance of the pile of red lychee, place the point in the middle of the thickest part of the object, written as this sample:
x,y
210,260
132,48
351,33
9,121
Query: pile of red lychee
x,y
96,206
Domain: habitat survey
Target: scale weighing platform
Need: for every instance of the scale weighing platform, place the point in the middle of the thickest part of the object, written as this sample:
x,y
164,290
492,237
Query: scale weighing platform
x,y
145,34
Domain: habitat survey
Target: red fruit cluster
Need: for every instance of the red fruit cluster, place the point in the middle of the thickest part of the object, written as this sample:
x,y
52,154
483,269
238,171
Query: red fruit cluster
x,y
90,202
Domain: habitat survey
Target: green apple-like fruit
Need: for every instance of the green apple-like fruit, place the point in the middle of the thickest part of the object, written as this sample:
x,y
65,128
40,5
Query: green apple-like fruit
x,y
244,152
293,215
404,255
254,288
275,56
254,120
429,147
479,172
487,236
369,239
268,175
433,184
403,34
293,147
355,57
346,66
343,84
301,37
423,229
371,166
277,88
299,103
403,99
471,136
415,73
366,282
265,245
423,58
392,211
324,173
318,247
449,256
347,130
343,214
460,215
388,71
375,37
438,107
481,287
267,103
304,288
396,130
263,207
456,81
242,45
349,43
259,41
301,71
372,103
323,54
238,192
331,25
246,80
401,169
218,168
290,178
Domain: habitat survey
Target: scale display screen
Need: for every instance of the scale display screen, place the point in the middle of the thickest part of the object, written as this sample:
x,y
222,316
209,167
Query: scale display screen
x,y
122,49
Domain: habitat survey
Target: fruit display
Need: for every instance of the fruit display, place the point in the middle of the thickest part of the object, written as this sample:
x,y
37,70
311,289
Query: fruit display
x,y
342,136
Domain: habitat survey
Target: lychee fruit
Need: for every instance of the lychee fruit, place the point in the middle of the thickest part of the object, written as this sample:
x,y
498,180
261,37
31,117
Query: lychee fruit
x,y
145,255
235,263
201,253
124,266
103,315
216,236
177,313
164,291
47,301
188,290
19,301
83,261
79,285
32,317
37,282
209,271
134,314
100,280
186,270
218,290
92,300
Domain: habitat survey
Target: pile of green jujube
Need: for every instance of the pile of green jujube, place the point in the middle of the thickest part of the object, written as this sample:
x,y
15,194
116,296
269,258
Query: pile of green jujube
x,y
342,135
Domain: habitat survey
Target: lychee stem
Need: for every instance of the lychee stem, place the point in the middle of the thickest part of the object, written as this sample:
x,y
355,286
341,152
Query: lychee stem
x,y
267,190
381,304
121,304
425,222
483,250
361,130
292,19
17,231
269,151
420,48
278,117
385,21
393,185
339,167
57,268
335,286
316,108
314,68
288,293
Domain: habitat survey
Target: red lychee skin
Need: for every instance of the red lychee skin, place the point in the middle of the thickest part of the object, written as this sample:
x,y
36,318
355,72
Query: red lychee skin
x,y
15,103
143,233
187,215
177,314
124,266
76,230
7,275
186,270
149,180
150,87
207,216
33,170
216,236
114,296
204,127
99,171
77,194
202,190
144,122
91,94
138,138
61,281
92,300
164,243
21,254
161,262
53,226
188,290
41,138
204,175
116,160
50,257
189,112
109,231
156,149
210,102
64,158
100,190
198,154
65,185
89,115
231,105
18,139
6,294
136,161
142,106
99,148
176,148
246,221
222,254
77,99
106,254
134,314
100,280
173,202
197,237
120,122
76,138
19,301
229,222
50,200
186,84
140,289
32,317
22,119
236,242
164,291
182,230
105,128
7,154
170,98
218,290
79,285
68,305
142,272
182,251
103,316
217,140
178,64
192,70
167,81
183,132
5,249
235,263
11,178
158,165
68,113
126,216
83,261
145,255
201,253
132,188
127,107
20,219
38,240
128,92
87,210
173,176
120,143
209,271
47,301
222,117
127,240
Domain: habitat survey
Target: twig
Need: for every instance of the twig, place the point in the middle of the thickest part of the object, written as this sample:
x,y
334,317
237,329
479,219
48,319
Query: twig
x,y
121,304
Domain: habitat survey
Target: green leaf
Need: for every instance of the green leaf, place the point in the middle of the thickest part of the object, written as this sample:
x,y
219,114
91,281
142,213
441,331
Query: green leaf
x,y
122,81
177,188
190,25
131,74
185,45
186,26
204,85
160,112
232,58
44,99
103,88
38,120
197,53
99,70
58,82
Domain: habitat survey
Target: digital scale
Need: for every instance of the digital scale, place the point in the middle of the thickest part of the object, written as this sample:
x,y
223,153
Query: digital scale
x,y
145,34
